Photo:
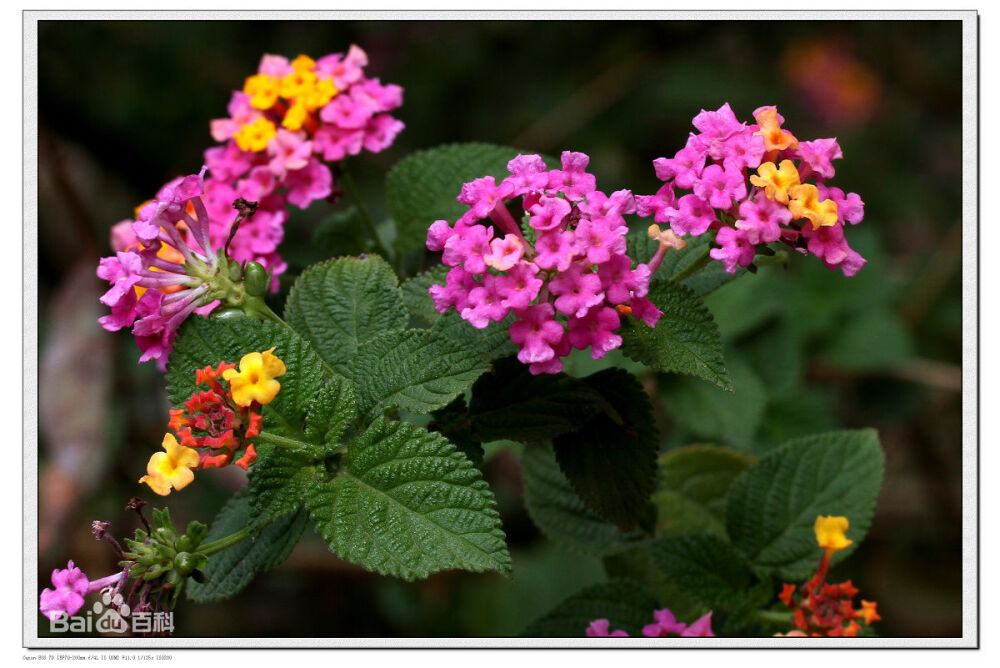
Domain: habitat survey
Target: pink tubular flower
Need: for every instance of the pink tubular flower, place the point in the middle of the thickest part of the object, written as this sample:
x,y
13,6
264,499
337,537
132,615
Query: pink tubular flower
x,y
600,628
664,625
71,585
565,286
719,161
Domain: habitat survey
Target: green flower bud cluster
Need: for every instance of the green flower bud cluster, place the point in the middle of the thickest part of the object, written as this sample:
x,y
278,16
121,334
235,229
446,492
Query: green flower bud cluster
x,y
166,556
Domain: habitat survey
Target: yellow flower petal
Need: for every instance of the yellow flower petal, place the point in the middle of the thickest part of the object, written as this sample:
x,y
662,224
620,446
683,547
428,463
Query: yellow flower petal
x,y
830,532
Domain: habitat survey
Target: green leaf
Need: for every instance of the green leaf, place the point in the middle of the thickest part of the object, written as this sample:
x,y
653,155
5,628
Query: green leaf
x,y
704,281
771,508
204,341
731,418
624,603
340,304
560,514
342,233
409,505
510,403
452,422
416,370
875,338
685,340
488,344
706,567
691,496
422,187
279,483
232,569
611,460
418,300
331,412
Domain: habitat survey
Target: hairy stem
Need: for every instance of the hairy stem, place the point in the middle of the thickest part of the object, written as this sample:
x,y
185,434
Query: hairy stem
x,y
700,262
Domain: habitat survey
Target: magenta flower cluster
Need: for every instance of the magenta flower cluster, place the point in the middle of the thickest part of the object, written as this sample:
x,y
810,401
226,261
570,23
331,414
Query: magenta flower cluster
x,y
157,276
746,209
70,585
664,625
568,288
272,152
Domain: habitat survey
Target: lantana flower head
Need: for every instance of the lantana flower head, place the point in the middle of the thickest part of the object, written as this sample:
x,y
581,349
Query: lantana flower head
x,y
821,609
563,286
70,586
748,184
163,268
218,424
664,625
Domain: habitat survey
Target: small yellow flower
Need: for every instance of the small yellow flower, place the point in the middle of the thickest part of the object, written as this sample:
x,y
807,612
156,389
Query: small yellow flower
x,y
171,468
295,117
776,181
297,83
317,96
775,139
262,89
805,204
303,63
255,380
254,136
830,532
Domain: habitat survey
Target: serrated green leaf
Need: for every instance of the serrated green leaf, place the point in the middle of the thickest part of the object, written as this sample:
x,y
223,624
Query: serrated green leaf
x,y
418,300
422,187
342,233
416,370
510,403
771,508
279,482
331,412
706,567
560,514
704,281
691,497
624,603
232,569
340,304
409,505
708,412
488,344
452,422
204,341
685,340
611,459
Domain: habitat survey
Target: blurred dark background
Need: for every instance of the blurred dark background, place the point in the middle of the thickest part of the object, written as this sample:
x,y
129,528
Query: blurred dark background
x,y
125,106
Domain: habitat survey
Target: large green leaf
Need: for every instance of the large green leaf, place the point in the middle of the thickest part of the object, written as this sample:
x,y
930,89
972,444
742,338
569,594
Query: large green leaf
x,y
560,514
703,281
691,496
206,341
610,460
280,480
623,602
409,505
771,508
331,412
340,304
416,297
232,569
511,403
708,568
488,344
422,187
685,340
416,370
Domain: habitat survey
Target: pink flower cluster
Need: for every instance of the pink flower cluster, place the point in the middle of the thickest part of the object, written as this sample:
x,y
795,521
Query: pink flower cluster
x,y
568,288
774,204
71,585
288,119
157,278
665,624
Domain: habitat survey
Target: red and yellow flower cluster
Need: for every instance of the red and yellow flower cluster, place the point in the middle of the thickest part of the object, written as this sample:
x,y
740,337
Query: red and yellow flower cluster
x,y
821,609
218,423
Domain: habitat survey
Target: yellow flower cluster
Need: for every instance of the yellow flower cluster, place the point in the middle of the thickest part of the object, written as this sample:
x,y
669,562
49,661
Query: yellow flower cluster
x,y
781,184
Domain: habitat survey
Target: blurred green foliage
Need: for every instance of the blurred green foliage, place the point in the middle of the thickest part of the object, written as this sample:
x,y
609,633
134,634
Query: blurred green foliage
x,y
123,106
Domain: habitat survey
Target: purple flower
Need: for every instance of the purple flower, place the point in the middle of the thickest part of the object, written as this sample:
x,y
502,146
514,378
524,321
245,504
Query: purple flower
x,y
600,628
596,330
693,216
736,249
578,289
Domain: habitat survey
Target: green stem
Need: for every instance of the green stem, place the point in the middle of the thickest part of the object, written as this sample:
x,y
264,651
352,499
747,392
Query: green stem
x,y
347,182
700,262
208,549
285,442
776,617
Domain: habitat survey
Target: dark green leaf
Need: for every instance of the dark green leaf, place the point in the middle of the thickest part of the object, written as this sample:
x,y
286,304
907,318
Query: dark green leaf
x,y
340,304
418,300
416,370
685,340
409,505
488,344
232,569
611,460
331,412
705,567
693,483
771,508
558,511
